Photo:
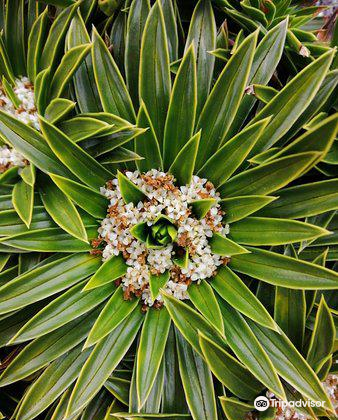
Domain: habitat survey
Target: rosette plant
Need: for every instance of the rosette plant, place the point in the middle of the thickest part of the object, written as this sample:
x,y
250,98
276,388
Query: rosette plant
x,y
168,197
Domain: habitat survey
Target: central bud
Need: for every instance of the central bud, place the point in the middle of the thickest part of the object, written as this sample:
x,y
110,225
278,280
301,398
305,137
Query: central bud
x,y
162,233
157,234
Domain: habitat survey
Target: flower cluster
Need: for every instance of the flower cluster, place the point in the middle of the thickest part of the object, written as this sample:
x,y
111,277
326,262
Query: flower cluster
x,y
24,111
192,234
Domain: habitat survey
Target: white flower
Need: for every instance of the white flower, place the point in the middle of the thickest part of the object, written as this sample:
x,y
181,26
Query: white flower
x,y
26,113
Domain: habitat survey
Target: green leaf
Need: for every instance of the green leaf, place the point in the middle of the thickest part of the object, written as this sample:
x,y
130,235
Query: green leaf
x,y
42,83
183,166
35,44
150,351
157,282
220,166
202,34
5,66
69,64
140,231
28,174
23,200
180,120
189,322
223,246
197,381
232,289
284,271
83,127
203,298
248,349
91,201
170,18
173,398
304,200
322,338
113,313
137,17
234,408
120,155
229,371
68,306
12,224
31,144
44,350
9,92
308,142
83,80
46,280
237,208
62,210
14,35
264,93
201,207
110,270
288,105
86,168
224,99
111,316
268,177
58,376
58,108
154,77
298,373
129,191
49,240
54,43
321,99
103,360
147,144
266,231
110,84
289,313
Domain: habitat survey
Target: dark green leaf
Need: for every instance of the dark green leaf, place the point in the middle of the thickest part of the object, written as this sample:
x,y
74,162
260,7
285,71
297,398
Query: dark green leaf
x,y
78,161
197,381
202,34
180,120
232,289
229,371
103,360
183,166
91,201
150,351
154,78
268,177
111,87
203,298
147,144
284,271
223,246
110,270
62,210
46,280
237,208
224,99
266,231
111,316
